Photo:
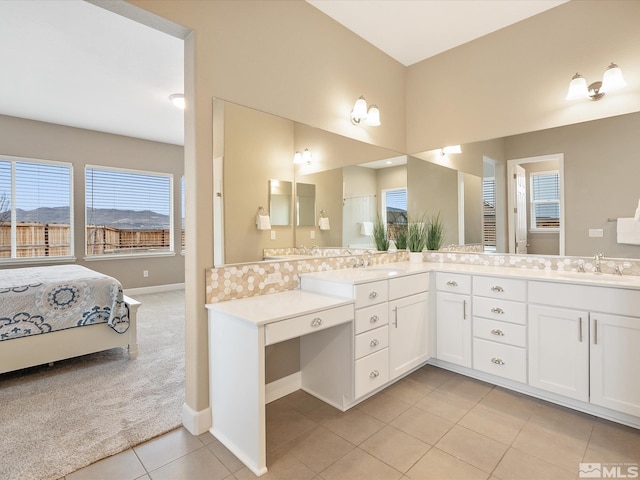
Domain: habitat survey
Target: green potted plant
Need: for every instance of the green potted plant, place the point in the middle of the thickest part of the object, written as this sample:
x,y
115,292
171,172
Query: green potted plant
x,y
401,237
380,235
435,233
417,235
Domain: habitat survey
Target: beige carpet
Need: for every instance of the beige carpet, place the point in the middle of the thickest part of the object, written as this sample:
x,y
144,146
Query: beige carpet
x,y
55,420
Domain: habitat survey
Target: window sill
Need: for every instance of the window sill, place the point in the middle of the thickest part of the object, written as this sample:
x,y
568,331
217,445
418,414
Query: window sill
x,y
544,230
36,260
122,256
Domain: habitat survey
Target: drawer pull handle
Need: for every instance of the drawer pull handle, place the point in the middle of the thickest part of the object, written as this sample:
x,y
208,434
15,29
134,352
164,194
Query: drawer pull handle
x,y
374,374
497,332
497,361
373,294
497,310
452,283
374,319
497,288
374,342
316,322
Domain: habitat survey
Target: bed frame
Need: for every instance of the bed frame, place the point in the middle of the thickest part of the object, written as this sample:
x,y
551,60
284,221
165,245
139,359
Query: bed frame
x,y
24,352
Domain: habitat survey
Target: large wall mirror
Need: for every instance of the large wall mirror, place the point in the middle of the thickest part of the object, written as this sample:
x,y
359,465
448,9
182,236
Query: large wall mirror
x,y
469,190
280,196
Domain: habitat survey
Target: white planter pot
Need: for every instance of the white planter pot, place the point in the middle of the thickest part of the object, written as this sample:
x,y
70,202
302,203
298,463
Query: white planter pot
x,y
415,257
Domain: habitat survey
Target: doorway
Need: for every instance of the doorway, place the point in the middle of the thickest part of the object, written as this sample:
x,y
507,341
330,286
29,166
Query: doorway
x,y
535,205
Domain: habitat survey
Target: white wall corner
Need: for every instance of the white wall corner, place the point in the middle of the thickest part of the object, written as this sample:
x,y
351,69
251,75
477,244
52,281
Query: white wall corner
x,y
196,422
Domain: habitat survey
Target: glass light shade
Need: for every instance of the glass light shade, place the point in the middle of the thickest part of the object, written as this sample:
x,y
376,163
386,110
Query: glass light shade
x,y
359,109
612,79
306,156
373,116
178,100
577,88
451,149
297,157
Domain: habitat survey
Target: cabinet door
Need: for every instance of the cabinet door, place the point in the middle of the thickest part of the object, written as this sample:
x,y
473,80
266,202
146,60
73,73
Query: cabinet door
x,y
615,357
559,351
408,333
453,328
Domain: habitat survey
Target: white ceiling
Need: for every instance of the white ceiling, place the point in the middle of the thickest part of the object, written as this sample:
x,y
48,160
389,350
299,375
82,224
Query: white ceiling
x,y
73,63
413,30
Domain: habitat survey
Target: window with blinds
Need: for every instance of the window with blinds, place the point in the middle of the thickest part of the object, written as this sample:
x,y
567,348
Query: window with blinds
x,y
128,212
489,211
35,209
545,201
395,202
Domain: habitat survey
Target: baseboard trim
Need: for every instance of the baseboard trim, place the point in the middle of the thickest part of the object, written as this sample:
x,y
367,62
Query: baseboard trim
x,y
154,289
283,386
196,422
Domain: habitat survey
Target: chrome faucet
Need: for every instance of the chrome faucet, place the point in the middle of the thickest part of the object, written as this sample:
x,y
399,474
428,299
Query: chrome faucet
x,y
581,266
597,257
617,270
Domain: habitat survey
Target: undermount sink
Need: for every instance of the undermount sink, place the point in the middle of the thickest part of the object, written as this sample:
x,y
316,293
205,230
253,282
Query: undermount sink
x,y
592,276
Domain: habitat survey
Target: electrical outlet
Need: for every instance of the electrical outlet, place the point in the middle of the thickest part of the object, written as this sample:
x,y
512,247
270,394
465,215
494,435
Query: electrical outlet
x,y
145,273
596,232
313,234
273,278
273,234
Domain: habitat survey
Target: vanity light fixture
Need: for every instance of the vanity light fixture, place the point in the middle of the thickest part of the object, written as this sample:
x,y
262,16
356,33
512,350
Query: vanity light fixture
x,y
178,100
362,114
304,157
611,80
450,149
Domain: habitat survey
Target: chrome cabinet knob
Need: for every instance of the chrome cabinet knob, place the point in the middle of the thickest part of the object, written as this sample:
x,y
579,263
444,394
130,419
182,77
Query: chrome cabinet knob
x,y
497,310
374,374
373,294
316,322
452,283
497,332
497,288
374,342
497,361
374,319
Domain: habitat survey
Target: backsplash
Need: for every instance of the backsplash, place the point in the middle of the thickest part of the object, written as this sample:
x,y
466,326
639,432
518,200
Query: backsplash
x,y
629,266
250,279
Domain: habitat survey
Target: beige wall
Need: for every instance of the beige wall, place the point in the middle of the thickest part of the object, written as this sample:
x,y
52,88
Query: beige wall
x,y
515,80
328,198
600,169
46,141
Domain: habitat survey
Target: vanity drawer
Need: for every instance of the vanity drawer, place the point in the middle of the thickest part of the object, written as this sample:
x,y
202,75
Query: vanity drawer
x,y
297,326
371,317
502,332
408,285
502,310
453,282
499,287
371,293
501,360
372,372
372,341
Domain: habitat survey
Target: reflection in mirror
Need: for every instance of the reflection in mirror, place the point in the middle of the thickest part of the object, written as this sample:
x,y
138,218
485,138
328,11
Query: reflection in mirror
x,y
305,204
280,193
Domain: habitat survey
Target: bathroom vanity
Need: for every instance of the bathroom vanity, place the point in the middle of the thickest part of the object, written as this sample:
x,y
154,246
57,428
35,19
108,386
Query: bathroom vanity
x,y
569,338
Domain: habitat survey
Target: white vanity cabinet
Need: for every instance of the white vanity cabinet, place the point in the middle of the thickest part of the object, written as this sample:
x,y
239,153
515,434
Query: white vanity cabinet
x,y
499,327
392,328
453,318
589,353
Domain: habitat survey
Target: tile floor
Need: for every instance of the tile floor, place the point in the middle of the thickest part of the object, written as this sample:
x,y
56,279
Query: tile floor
x,y
433,424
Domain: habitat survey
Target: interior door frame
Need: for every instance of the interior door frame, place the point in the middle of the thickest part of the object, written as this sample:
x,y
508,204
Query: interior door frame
x,y
511,196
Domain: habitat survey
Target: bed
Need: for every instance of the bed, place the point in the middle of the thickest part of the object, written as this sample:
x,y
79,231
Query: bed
x,y
63,311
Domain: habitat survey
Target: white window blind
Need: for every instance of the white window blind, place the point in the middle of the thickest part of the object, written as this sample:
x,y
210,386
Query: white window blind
x,y
545,201
396,206
128,212
489,211
35,209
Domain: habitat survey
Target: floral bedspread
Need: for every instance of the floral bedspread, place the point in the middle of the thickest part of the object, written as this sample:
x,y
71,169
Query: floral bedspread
x,y
38,300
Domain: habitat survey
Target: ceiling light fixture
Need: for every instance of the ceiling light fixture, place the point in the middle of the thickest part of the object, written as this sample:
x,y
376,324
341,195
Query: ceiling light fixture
x,y
611,80
304,157
178,100
450,149
362,114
